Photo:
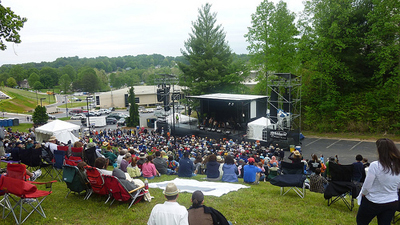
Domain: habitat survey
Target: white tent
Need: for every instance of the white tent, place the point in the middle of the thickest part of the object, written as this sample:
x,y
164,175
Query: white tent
x,y
62,130
255,128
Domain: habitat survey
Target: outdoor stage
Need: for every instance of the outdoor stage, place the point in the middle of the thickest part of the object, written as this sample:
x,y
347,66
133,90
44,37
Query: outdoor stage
x,y
186,129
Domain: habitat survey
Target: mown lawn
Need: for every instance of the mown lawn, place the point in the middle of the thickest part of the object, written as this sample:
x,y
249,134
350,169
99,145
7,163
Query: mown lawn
x,y
23,101
260,204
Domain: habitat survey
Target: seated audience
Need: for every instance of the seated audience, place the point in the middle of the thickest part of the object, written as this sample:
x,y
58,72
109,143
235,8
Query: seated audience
x,y
186,166
160,163
318,183
358,170
149,169
230,170
212,165
133,170
125,162
251,172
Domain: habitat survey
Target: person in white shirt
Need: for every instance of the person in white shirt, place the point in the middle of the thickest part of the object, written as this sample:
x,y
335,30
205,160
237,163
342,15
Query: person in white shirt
x,y
169,213
379,191
51,144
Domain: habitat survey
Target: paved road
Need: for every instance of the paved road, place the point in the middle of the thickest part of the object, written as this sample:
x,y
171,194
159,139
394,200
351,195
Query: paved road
x,y
345,149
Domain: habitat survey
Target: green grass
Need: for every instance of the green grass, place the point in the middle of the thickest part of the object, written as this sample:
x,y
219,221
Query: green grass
x,y
23,127
23,101
259,204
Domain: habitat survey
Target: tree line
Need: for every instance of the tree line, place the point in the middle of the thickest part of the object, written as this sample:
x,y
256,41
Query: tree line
x,y
347,53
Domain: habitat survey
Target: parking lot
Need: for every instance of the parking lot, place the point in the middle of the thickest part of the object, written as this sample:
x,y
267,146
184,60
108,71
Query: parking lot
x,y
345,149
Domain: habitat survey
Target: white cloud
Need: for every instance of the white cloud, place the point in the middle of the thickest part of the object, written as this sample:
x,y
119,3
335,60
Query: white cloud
x,y
89,28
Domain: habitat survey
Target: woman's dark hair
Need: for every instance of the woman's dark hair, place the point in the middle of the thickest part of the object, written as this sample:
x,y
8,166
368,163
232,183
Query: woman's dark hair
x,y
212,158
100,163
134,161
170,158
229,160
317,171
149,158
198,159
389,156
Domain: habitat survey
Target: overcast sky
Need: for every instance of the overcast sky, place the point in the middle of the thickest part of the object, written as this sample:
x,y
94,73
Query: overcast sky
x,y
88,28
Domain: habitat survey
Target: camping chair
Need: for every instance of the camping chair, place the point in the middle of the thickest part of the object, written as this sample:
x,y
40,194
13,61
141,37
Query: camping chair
x,y
90,156
341,185
28,195
62,148
292,177
77,151
75,181
59,162
96,182
17,171
119,192
72,160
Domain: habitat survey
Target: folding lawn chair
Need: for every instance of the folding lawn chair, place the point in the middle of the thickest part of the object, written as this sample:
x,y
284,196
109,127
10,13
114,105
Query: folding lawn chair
x,y
27,194
72,160
90,155
62,148
341,185
58,164
77,151
96,182
292,177
17,171
75,181
120,193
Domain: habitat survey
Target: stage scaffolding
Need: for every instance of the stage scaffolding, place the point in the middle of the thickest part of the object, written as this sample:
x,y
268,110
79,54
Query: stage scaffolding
x,y
284,104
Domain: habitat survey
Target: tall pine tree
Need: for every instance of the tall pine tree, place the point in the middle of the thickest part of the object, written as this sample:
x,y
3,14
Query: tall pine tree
x,y
133,119
209,66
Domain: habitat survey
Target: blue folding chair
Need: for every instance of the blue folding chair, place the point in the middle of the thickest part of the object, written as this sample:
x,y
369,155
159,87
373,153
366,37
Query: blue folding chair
x,y
59,163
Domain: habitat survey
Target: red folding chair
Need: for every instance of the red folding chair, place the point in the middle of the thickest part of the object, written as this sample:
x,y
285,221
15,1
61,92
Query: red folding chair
x,y
72,160
77,151
96,182
62,148
119,192
17,171
28,195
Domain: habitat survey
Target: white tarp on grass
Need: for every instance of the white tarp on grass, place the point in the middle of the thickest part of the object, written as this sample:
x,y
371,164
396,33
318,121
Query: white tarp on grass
x,y
208,188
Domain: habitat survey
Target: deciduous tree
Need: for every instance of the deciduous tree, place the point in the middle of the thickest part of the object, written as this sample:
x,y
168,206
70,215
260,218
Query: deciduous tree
x,y
10,25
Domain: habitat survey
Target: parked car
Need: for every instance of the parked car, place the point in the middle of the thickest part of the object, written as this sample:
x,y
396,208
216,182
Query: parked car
x,y
111,120
51,117
121,122
77,117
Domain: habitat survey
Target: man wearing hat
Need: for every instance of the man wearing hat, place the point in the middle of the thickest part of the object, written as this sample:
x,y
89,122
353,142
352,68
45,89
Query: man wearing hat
x,y
51,144
170,212
251,173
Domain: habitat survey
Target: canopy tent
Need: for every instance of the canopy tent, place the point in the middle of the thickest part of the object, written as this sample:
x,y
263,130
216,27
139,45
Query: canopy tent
x,y
62,130
256,127
182,118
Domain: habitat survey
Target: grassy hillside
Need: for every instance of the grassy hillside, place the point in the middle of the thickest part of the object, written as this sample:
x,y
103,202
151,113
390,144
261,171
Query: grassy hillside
x,y
23,101
259,204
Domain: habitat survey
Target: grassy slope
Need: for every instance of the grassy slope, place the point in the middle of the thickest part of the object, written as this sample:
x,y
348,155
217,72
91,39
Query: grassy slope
x,y
260,204
22,101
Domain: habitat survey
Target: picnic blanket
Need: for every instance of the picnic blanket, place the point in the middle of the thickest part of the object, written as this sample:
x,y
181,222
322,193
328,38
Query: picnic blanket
x,y
208,188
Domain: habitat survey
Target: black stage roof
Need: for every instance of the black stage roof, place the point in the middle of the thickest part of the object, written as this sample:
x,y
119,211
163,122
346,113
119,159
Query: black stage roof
x,y
229,97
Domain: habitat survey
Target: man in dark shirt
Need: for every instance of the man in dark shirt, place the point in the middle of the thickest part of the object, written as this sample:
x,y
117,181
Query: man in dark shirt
x,y
186,166
160,163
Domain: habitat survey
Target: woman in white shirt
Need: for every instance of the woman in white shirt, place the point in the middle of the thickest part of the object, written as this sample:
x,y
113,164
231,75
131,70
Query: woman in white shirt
x,y
379,191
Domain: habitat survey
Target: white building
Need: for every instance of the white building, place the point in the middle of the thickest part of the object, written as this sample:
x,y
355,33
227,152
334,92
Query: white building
x,y
145,96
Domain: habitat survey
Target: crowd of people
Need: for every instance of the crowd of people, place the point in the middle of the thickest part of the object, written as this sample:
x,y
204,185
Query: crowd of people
x,y
138,153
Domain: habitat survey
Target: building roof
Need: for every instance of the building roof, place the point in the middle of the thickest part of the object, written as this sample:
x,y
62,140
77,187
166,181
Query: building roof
x,y
139,90
229,97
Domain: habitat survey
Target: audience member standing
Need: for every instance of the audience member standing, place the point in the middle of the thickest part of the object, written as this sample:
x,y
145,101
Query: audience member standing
x,y
380,188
